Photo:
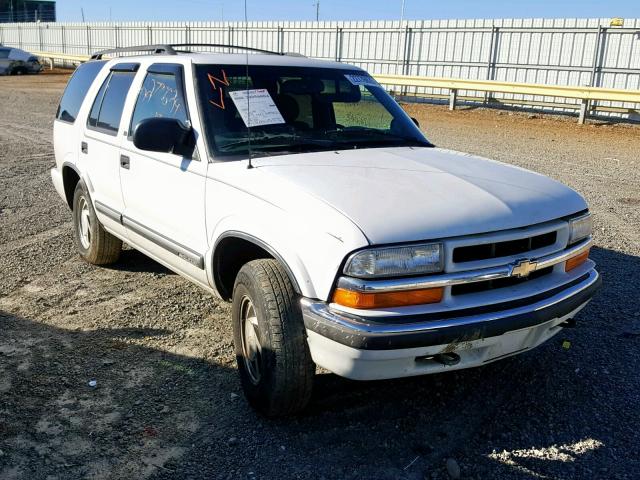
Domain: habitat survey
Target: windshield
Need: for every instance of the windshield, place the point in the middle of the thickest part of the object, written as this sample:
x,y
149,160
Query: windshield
x,y
277,110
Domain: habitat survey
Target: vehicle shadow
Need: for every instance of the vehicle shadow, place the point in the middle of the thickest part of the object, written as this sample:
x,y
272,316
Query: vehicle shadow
x,y
139,415
555,412
131,260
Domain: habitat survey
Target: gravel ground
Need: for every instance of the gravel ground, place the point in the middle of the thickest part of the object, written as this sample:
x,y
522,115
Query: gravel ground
x,y
167,402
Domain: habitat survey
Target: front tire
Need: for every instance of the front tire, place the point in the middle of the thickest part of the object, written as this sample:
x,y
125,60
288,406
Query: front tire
x,y
94,244
274,363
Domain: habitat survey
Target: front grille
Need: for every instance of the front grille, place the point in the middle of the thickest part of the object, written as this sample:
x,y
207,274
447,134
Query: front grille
x,y
503,249
499,283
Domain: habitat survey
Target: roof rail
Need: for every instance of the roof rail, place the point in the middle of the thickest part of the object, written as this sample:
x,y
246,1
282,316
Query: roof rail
x,y
170,49
160,48
223,45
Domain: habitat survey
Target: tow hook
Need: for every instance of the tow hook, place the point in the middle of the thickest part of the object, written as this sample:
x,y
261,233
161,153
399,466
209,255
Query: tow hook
x,y
569,323
448,359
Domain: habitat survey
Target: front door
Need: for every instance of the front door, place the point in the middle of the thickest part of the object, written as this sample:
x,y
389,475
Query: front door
x,y
164,193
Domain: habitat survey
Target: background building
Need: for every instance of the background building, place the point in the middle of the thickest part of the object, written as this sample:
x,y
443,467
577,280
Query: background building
x,y
27,11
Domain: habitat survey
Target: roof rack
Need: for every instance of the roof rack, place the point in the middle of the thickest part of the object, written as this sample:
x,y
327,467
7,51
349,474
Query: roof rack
x,y
141,48
169,49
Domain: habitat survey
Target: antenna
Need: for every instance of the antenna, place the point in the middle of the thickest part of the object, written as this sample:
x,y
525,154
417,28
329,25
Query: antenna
x,y
82,13
317,5
246,52
399,36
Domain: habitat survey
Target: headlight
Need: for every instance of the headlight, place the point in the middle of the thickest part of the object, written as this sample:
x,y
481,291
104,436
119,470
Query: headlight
x,y
580,228
395,261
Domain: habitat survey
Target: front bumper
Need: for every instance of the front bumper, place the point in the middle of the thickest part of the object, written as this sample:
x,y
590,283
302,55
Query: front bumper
x,y
378,347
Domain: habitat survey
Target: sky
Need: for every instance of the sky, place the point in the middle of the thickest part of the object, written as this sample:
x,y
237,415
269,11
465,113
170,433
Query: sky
x,y
233,10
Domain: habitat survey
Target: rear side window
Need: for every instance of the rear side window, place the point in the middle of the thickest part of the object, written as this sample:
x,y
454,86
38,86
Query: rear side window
x,y
76,90
97,103
160,96
107,107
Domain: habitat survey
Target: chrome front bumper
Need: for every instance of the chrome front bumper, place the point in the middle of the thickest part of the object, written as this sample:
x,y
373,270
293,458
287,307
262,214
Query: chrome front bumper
x,y
445,327
374,348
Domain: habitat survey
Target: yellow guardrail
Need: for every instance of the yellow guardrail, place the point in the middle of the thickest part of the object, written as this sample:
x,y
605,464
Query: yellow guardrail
x,y
585,94
52,56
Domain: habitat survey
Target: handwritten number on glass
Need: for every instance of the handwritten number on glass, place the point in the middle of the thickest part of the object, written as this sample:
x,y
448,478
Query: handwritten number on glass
x,y
168,96
223,81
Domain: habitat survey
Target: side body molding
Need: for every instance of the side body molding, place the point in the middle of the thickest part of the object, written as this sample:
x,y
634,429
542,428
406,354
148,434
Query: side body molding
x,y
168,244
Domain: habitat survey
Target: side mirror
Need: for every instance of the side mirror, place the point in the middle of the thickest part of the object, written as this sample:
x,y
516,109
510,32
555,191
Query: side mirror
x,y
166,135
416,122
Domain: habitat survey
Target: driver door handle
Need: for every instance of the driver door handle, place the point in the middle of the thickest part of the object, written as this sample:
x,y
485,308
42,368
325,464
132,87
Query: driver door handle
x,y
125,162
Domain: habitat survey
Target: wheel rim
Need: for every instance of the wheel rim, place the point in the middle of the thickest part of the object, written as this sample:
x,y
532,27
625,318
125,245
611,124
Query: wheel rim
x,y
85,223
251,348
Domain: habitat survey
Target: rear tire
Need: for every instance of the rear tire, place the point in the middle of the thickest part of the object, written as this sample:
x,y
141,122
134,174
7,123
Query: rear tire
x,y
95,245
274,363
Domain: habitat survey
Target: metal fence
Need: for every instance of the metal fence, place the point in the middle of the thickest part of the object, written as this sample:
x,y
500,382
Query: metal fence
x,y
579,52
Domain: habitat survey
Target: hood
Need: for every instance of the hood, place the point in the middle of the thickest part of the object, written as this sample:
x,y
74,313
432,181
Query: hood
x,y
409,194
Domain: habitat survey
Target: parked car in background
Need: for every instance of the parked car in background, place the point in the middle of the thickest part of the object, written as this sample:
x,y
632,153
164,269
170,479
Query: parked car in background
x,y
14,61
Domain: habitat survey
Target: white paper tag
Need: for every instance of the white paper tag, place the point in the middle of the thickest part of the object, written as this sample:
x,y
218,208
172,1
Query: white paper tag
x,y
256,107
366,80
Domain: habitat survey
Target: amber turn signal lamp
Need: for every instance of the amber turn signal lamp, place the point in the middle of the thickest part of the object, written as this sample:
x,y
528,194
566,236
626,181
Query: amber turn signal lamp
x,y
352,299
576,261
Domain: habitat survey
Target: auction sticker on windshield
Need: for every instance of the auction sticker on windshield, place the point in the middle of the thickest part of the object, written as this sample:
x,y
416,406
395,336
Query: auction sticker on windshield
x,y
365,80
256,107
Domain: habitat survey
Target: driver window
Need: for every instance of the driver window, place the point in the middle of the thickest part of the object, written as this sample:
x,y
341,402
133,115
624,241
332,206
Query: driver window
x,y
159,97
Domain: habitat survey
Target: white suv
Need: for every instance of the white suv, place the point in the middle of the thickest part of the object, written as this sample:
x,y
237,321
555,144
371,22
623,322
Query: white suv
x,y
299,190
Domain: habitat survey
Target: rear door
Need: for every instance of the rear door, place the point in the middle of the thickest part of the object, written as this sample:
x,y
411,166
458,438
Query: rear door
x,y
66,132
164,192
100,145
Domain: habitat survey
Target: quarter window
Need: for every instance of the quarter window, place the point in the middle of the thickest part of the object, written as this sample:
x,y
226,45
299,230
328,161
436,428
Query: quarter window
x,y
107,107
4,52
97,103
160,96
76,90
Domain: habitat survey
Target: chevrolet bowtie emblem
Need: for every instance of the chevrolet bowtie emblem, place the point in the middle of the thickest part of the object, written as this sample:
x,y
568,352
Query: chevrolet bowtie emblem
x,y
522,268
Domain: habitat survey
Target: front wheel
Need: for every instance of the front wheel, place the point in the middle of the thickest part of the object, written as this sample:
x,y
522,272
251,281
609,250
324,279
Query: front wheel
x,y
274,363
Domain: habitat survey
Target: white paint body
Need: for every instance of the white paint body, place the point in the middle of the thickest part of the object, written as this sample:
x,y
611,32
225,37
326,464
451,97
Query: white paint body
x,y
313,209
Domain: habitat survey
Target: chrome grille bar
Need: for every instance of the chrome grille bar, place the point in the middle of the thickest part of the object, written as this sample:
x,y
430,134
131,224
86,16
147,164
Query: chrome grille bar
x,y
449,279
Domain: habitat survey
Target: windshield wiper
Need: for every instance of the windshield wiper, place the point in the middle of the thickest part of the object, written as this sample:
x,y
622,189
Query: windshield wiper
x,y
262,138
384,138
370,132
280,142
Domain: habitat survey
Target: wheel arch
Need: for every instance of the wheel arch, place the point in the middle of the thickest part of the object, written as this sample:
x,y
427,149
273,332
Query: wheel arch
x,y
232,250
70,178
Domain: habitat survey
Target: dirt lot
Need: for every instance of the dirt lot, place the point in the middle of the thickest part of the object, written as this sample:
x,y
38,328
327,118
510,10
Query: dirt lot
x,y
167,402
